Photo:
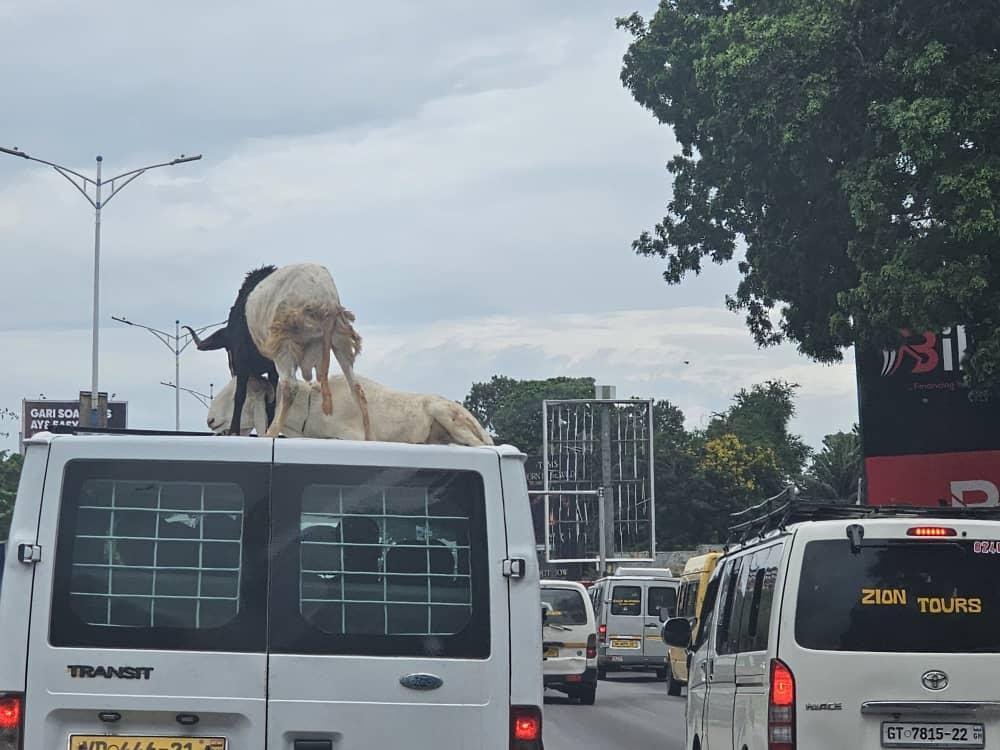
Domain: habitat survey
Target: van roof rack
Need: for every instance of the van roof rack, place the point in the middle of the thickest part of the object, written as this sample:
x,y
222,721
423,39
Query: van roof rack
x,y
81,430
788,507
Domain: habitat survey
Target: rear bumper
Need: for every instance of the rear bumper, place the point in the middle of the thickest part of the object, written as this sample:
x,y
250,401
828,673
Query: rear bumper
x,y
570,681
615,662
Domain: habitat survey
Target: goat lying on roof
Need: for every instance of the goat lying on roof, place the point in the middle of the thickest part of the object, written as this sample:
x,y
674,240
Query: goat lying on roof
x,y
294,317
397,417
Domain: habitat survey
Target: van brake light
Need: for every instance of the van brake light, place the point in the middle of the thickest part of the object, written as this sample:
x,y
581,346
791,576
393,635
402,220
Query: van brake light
x,y
781,708
591,646
525,728
931,531
11,716
602,631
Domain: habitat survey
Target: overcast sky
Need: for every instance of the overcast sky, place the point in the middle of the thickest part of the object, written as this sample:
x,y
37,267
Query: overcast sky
x,y
472,175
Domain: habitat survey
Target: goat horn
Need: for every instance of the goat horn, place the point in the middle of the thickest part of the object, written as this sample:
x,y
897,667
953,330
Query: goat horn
x,y
194,336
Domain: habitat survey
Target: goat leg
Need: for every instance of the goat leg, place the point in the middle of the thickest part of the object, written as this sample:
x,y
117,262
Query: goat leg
x,y
238,401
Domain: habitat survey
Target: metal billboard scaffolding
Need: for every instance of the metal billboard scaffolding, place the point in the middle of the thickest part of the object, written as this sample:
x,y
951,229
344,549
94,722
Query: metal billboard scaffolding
x,y
598,480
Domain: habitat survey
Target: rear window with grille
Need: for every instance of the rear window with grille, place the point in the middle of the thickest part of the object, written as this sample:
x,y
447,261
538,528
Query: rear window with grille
x,y
380,561
159,555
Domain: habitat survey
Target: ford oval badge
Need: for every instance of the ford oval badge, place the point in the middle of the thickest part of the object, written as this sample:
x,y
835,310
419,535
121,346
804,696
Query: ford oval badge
x,y
421,681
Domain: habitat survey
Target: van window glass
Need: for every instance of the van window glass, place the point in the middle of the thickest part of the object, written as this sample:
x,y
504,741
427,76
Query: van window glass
x,y
759,585
707,620
566,606
165,555
688,599
918,596
626,600
380,561
661,596
724,632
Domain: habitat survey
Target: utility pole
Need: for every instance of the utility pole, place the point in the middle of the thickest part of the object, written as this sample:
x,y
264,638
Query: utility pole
x,y
205,399
97,183
176,343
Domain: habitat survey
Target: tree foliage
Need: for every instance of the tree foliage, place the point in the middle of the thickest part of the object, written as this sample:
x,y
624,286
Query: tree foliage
x,y
10,474
745,454
512,409
852,146
836,469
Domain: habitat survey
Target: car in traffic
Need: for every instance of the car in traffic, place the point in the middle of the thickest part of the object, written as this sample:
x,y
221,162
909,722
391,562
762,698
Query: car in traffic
x,y
853,626
691,594
206,593
569,641
628,606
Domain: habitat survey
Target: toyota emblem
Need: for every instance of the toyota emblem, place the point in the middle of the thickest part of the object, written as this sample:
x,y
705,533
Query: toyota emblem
x,y
934,680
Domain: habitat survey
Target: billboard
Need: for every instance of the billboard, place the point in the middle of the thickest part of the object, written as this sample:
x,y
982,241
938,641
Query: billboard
x,y
39,416
924,441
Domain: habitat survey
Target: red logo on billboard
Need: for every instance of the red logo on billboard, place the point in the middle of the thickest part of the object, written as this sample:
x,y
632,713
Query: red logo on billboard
x,y
944,479
926,352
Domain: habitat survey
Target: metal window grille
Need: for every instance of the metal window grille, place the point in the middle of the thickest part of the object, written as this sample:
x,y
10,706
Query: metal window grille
x,y
411,574
149,564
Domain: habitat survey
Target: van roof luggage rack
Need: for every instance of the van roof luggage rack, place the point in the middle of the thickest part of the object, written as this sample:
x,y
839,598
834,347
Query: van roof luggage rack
x,y
71,430
788,507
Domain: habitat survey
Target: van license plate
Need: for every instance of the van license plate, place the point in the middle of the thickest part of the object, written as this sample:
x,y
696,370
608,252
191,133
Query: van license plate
x,y
624,643
123,742
918,734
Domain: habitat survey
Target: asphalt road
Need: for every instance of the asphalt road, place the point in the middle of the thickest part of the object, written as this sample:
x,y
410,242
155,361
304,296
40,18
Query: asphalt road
x,y
633,712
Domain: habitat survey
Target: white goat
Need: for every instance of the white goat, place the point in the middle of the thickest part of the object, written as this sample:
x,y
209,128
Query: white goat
x,y
397,417
295,318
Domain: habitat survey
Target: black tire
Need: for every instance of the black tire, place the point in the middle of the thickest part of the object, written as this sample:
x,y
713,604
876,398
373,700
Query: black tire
x,y
661,674
673,686
587,695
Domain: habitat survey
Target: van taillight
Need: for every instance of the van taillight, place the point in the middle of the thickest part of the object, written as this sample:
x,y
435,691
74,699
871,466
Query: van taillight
x,y
525,728
781,708
11,716
934,531
592,646
603,633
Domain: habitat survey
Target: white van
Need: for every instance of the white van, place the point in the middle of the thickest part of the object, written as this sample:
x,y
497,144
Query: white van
x,y
628,609
206,593
569,660
851,627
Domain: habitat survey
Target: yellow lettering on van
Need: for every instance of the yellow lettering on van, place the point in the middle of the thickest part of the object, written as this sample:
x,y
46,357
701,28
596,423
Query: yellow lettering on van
x,y
962,605
922,603
975,606
868,596
883,596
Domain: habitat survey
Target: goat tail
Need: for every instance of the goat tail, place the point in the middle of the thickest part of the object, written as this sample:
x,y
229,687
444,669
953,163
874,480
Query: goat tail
x,y
458,423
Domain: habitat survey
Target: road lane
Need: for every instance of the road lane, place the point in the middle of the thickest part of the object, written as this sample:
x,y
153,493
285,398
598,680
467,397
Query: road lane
x,y
632,712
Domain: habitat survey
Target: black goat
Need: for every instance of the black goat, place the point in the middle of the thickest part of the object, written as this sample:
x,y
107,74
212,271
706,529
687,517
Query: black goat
x,y
245,360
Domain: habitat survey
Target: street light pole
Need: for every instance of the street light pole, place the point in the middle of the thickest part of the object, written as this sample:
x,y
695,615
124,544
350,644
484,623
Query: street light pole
x,y
84,183
173,343
204,398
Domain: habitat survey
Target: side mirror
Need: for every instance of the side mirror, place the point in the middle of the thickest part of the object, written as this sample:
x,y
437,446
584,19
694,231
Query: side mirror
x,y
677,632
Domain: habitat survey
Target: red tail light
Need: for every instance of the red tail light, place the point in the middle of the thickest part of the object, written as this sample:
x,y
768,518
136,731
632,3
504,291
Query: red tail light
x,y
935,531
781,708
602,631
525,728
592,646
11,716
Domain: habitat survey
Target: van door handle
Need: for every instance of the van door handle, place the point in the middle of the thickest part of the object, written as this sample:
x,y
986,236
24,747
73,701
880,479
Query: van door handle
x,y
652,625
313,745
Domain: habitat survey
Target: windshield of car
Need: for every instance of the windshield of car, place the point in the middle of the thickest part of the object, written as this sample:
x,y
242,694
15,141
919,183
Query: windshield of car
x,y
925,597
564,606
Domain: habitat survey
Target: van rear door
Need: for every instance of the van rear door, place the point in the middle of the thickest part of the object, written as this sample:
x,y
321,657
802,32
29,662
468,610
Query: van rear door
x,y
147,616
894,643
658,594
389,611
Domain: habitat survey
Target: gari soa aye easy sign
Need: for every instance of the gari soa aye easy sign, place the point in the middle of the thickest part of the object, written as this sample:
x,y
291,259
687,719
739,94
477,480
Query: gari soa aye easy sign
x,y
39,416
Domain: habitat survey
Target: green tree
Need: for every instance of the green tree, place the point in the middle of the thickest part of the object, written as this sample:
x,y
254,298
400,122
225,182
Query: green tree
x,y
10,474
836,469
851,146
512,409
